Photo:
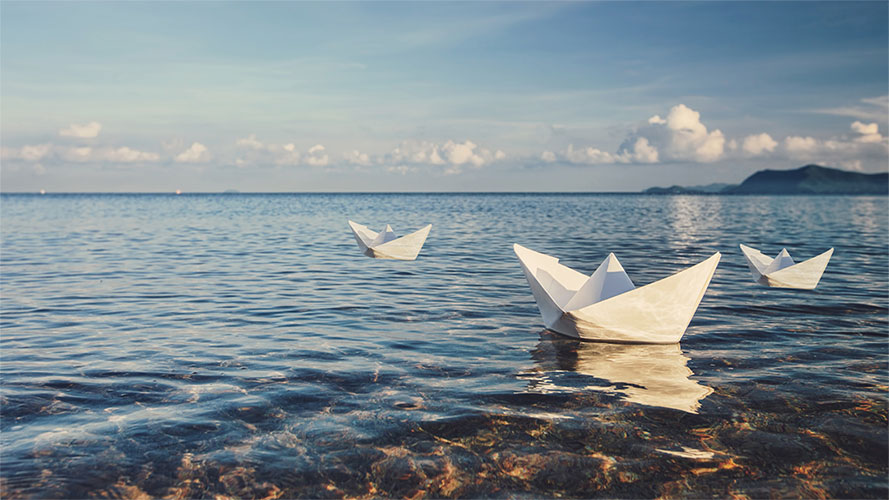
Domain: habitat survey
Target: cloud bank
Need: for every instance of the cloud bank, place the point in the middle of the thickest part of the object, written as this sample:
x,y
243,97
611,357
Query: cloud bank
x,y
84,131
682,137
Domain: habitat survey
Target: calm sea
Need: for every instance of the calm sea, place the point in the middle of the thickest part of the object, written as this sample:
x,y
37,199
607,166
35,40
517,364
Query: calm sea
x,y
240,345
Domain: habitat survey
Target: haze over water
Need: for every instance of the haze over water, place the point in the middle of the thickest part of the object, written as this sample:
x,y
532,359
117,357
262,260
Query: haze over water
x,y
199,345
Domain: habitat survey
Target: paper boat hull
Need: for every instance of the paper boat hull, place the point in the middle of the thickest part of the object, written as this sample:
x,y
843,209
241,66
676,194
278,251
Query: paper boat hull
x,y
801,276
405,248
658,313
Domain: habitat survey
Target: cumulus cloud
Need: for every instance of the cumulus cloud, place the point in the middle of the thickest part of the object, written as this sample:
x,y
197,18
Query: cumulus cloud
x,y
681,136
122,154
258,152
316,156
196,153
800,147
356,157
451,156
868,132
30,153
128,155
78,154
250,142
81,154
82,131
35,153
758,144
286,154
678,137
865,142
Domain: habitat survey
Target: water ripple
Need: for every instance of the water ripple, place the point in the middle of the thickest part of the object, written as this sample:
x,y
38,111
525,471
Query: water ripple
x,y
240,346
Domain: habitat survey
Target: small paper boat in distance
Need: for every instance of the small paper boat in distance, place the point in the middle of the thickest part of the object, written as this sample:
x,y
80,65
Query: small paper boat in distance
x,y
606,307
385,245
782,272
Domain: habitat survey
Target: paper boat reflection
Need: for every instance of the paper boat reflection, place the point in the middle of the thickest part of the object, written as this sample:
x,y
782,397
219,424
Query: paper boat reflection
x,y
653,375
782,272
385,245
606,307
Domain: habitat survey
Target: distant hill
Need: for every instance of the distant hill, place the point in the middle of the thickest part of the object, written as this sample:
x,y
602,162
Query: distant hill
x,y
708,189
810,179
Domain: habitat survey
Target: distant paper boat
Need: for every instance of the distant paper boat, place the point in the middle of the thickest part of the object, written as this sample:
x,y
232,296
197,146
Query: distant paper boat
x,y
653,375
782,272
385,245
606,307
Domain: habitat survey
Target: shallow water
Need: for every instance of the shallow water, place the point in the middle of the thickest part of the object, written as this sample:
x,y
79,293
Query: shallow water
x,y
199,345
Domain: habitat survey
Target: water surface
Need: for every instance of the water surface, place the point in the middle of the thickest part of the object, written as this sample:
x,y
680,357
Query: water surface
x,y
199,345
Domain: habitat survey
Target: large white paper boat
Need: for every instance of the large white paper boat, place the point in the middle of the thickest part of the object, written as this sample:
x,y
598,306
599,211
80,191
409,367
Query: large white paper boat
x,y
606,307
653,375
385,245
782,272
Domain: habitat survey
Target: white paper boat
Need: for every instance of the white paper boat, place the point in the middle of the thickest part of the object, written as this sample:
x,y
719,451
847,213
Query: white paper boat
x,y
653,375
385,245
607,307
782,272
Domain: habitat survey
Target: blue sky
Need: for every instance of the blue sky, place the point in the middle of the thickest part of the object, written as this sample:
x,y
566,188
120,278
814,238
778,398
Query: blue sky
x,y
432,96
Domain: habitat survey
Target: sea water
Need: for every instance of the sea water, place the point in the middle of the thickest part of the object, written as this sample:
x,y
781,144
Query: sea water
x,y
241,345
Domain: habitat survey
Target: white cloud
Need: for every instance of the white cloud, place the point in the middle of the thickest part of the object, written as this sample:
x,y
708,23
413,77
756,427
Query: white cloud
x,y
452,156
758,144
85,154
868,132
250,142
866,142
35,153
127,155
317,157
81,154
683,137
286,154
589,156
357,158
78,154
870,108
196,153
259,153
800,147
641,152
680,137
84,131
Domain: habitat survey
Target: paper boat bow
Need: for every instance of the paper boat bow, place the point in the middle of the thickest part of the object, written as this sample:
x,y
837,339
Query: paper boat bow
x,y
782,272
385,245
607,307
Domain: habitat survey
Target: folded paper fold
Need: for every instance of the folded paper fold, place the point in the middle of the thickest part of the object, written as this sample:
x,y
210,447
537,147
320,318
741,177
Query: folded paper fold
x,y
607,307
385,245
782,271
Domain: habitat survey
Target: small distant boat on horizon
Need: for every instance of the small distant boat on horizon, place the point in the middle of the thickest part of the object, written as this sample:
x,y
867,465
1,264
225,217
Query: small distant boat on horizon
x,y
782,272
607,307
385,245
